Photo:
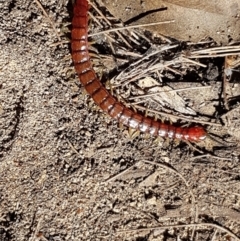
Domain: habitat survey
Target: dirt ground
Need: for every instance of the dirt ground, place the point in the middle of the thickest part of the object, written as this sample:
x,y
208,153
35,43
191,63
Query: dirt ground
x,y
69,172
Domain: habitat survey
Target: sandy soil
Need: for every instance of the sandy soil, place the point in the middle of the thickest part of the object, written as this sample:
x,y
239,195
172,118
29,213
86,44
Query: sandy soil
x,y
69,172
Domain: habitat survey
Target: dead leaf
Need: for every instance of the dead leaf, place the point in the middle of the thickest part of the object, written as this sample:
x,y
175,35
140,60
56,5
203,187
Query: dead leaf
x,y
165,95
194,19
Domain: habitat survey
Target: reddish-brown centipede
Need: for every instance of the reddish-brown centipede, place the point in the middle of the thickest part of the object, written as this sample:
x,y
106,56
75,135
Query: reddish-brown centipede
x,y
104,99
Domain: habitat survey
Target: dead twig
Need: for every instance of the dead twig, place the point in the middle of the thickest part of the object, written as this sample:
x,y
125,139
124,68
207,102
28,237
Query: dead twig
x,y
183,226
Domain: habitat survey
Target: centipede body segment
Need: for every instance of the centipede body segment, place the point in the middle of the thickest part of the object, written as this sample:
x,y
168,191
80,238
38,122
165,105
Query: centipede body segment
x,y
100,95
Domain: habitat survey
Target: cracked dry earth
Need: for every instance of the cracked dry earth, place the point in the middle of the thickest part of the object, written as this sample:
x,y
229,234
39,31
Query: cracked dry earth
x,y
69,172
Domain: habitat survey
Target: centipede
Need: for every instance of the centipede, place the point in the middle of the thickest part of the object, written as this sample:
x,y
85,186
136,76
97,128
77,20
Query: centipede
x,y
102,97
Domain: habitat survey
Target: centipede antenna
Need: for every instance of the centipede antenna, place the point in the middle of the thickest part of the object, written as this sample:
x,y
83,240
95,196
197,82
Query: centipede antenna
x,y
219,141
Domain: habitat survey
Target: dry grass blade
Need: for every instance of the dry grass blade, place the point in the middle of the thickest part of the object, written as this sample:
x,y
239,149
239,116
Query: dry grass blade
x,y
49,19
215,52
176,90
110,24
130,27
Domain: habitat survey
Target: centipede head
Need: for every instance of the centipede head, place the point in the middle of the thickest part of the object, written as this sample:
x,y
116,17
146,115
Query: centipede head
x,y
196,134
